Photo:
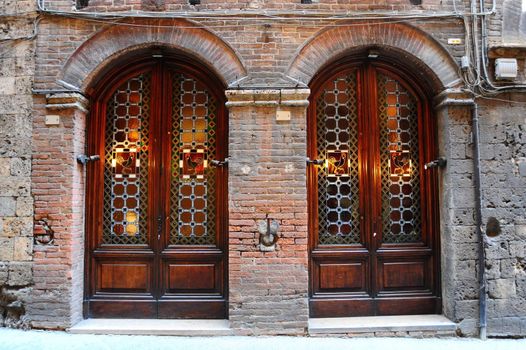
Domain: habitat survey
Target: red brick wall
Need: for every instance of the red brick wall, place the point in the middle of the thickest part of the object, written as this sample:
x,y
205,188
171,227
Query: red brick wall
x,y
58,191
267,178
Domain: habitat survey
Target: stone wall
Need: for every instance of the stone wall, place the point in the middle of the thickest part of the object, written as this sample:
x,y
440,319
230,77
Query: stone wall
x,y
503,155
16,204
268,291
457,220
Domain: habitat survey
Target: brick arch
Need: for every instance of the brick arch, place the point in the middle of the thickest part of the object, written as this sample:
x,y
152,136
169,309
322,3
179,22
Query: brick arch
x,y
115,41
414,47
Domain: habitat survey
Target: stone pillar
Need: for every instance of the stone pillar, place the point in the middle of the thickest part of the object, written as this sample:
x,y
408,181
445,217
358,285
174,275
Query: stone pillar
x,y
58,190
268,290
459,241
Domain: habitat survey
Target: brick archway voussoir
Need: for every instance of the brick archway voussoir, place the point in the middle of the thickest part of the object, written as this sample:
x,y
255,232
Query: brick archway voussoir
x,y
415,44
94,54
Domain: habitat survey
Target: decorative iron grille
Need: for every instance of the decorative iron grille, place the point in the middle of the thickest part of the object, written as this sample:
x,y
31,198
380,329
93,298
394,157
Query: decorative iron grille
x,y
398,117
126,163
192,199
337,130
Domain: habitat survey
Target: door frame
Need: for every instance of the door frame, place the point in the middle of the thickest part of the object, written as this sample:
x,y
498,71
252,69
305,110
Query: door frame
x,y
414,83
99,93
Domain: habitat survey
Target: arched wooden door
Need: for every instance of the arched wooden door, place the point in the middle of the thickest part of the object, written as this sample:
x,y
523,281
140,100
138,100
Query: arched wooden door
x,y
372,206
156,207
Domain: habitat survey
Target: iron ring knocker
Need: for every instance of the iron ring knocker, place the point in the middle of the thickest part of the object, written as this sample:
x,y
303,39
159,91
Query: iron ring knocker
x,y
270,237
44,238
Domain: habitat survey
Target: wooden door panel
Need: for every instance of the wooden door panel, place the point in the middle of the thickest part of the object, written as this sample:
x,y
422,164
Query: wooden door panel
x,y
119,307
157,218
203,276
372,248
124,276
205,308
414,305
402,275
340,306
345,275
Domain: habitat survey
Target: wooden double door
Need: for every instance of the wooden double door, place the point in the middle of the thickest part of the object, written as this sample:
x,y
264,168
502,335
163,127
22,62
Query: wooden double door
x,y
374,245
156,213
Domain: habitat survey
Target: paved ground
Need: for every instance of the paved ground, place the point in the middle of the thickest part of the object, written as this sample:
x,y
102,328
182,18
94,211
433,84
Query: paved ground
x,y
40,340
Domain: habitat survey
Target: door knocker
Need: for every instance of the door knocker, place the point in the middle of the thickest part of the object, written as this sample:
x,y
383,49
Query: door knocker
x,y
268,234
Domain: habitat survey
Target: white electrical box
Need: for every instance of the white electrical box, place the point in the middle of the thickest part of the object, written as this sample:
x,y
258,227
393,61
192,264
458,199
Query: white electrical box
x,y
282,115
52,120
505,68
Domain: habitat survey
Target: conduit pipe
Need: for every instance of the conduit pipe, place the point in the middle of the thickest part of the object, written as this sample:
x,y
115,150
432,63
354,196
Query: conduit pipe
x,y
478,223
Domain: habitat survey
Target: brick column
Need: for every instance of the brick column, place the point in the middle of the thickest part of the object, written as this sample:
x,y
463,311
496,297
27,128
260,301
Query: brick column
x,y
267,178
58,190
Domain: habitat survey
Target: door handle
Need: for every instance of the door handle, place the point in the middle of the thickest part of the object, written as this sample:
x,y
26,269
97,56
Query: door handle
x,y
160,222
219,163
315,161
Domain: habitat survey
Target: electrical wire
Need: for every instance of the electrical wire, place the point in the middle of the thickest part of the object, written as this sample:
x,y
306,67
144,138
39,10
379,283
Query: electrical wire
x,y
475,77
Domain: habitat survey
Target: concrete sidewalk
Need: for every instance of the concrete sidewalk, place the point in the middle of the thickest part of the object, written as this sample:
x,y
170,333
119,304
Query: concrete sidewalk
x,y
43,340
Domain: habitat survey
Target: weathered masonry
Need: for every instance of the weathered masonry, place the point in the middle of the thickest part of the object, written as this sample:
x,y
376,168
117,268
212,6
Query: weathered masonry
x,y
273,164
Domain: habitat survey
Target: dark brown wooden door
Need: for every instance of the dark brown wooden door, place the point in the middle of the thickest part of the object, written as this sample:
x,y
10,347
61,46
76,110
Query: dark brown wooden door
x,y
156,205
373,237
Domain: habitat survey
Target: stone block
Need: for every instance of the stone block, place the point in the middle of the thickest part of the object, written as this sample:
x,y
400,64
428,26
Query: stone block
x,y
13,227
504,326
14,186
24,206
7,85
502,288
21,167
6,249
7,206
518,249
20,274
5,166
521,287
23,248
3,273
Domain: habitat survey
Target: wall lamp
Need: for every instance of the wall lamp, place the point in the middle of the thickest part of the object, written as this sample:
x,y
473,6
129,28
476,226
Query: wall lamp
x,y
437,163
84,159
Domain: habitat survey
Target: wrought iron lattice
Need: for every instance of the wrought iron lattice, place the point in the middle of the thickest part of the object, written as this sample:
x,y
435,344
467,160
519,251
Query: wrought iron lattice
x,y
126,163
337,130
399,157
193,199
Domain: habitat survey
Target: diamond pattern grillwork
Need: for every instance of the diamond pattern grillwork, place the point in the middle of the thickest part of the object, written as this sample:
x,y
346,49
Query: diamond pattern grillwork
x,y
337,129
192,201
126,196
401,213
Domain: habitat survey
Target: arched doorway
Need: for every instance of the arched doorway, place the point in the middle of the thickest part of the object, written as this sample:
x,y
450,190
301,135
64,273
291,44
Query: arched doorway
x,y
373,213
156,205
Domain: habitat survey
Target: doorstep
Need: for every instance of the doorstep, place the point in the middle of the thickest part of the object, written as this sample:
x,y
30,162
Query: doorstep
x,y
374,324
152,327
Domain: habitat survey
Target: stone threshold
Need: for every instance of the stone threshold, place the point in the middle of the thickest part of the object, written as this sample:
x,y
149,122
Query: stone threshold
x,y
152,327
373,324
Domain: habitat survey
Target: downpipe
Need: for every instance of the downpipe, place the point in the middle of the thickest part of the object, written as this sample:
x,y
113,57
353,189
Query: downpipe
x,y
478,224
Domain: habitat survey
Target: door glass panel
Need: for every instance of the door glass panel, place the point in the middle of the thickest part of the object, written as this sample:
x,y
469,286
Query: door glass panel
x,y
400,168
337,142
193,145
126,163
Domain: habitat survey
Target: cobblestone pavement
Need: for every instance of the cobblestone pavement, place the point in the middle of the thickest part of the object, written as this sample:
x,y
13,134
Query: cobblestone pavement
x,y
42,340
